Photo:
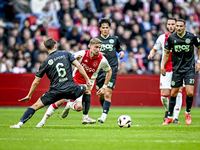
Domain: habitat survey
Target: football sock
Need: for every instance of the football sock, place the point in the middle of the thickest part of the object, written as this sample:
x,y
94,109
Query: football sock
x,y
189,101
172,103
165,102
72,105
178,105
86,103
50,111
27,115
101,102
106,106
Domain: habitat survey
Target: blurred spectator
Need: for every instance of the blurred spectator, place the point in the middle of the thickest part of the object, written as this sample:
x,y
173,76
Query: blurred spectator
x,y
134,5
88,5
36,67
28,64
133,46
74,37
190,23
129,62
122,68
19,68
66,25
156,15
9,66
3,64
87,12
93,28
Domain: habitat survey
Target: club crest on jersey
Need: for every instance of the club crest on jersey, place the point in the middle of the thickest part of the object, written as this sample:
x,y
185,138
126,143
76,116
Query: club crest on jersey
x,y
95,64
86,60
187,41
50,62
111,41
173,83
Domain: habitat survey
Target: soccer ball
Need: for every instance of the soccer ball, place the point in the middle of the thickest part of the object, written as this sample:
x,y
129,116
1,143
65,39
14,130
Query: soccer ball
x,y
124,121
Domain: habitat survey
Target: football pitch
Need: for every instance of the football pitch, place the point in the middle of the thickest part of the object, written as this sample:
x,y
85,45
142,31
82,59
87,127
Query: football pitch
x,y
146,132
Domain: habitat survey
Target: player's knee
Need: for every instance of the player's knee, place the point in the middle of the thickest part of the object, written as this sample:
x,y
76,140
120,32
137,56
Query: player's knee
x,y
107,95
60,102
190,94
79,107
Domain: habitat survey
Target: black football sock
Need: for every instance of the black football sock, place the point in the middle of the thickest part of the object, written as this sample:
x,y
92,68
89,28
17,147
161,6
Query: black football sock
x,y
106,106
86,103
172,103
102,101
189,101
27,114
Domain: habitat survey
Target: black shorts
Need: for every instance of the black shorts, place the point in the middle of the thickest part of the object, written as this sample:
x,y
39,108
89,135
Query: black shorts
x,y
188,77
101,78
52,96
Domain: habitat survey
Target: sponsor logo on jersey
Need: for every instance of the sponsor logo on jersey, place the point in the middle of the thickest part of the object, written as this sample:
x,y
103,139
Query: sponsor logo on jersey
x,y
50,62
187,41
174,41
106,46
86,68
85,60
179,48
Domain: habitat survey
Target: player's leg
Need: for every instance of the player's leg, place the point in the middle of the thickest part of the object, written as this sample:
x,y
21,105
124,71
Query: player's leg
x,y
29,113
86,106
189,79
165,87
178,105
50,111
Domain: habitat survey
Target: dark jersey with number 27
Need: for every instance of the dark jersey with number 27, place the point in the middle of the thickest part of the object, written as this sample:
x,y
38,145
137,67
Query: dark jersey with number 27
x,y
58,69
182,51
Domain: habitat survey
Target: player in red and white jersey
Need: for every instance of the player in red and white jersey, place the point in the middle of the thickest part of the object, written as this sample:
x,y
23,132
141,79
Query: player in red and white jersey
x,y
165,81
92,61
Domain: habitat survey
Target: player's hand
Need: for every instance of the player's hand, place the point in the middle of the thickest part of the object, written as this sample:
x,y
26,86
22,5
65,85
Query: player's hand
x,y
102,53
27,98
89,85
121,54
197,67
101,91
78,57
163,71
150,57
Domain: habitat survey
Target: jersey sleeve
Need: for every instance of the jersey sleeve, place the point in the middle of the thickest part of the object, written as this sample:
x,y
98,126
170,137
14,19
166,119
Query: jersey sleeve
x,y
168,45
196,41
42,70
158,44
105,64
118,46
70,57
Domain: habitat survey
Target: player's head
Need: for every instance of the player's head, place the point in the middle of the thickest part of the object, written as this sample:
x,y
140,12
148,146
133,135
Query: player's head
x,y
180,26
171,25
95,46
50,44
104,26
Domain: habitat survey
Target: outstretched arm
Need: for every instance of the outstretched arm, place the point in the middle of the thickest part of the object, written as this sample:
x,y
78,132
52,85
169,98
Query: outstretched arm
x,y
32,90
152,53
83,73
102,89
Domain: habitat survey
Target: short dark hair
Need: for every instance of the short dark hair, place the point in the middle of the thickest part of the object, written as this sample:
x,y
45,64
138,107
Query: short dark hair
x,y
181,20
172,18
49,43
104,20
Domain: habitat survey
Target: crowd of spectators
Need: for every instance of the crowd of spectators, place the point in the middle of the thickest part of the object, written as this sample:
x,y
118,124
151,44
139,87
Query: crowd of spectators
x,y
24,25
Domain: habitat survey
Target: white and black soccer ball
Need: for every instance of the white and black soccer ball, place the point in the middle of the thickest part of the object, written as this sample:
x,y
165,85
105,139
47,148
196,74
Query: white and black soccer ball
x,y
124,121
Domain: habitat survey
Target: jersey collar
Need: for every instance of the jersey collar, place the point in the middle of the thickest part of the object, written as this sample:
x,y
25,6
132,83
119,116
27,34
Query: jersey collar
x,y
181,36
52,52
105,37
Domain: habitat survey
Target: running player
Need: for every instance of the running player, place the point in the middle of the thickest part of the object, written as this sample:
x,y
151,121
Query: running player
x,y
165,81
58,69
182,45
92,61
110,46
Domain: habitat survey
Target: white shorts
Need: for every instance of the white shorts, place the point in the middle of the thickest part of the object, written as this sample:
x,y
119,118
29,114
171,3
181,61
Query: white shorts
x,y
165,81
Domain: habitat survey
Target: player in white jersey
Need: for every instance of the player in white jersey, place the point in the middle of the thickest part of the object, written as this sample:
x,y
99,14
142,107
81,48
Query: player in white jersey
x,y
165,81
92,61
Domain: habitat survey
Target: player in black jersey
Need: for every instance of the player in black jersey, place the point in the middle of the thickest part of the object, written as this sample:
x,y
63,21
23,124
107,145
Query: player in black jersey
x,y
58,69
182,45
110,46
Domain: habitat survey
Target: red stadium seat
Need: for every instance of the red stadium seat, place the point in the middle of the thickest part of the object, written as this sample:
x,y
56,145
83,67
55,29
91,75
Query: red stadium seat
x,y
54,33
32,20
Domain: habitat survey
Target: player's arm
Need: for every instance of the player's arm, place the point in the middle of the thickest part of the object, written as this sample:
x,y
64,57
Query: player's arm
x,y
83,73
197,67
119,49
107,79
152,53
34,85
164,61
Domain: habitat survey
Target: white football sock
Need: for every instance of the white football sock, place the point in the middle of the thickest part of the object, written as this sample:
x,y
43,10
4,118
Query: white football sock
x,y
165,102
178,105
50,111
85,116
71,105
103,116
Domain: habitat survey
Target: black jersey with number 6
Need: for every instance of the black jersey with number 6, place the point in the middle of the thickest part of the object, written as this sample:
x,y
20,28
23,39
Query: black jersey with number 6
x,y
110,46
182,51
58,69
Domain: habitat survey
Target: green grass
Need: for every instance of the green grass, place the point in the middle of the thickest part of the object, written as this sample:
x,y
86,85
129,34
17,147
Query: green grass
x,y
146,132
